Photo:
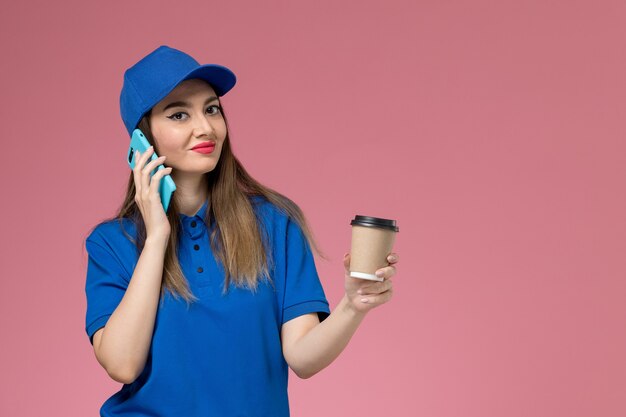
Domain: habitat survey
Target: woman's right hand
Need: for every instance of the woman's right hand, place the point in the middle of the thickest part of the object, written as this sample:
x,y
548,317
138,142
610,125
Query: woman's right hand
x,y
147,194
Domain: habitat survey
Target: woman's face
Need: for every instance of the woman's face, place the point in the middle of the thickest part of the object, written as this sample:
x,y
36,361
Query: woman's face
x,y
190,115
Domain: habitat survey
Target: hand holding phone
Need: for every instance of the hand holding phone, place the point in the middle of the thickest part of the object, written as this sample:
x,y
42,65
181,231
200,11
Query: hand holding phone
x,y
166,187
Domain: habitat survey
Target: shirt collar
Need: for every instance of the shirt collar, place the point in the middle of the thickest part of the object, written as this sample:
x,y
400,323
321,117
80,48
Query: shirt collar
x,y
191,223
200,212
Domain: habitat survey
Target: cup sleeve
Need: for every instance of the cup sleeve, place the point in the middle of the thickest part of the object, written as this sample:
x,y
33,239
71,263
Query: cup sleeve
x,y
106,283
303,290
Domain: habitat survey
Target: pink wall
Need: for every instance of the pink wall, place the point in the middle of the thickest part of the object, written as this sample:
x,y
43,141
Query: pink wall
x,y
493,131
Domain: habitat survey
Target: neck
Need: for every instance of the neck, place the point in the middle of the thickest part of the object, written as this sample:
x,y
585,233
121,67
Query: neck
x,y
191,192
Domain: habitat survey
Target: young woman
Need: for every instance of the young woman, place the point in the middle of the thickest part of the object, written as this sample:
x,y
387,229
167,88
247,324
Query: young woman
x,y
200,311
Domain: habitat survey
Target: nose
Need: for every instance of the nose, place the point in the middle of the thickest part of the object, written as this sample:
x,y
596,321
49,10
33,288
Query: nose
x,y
202,126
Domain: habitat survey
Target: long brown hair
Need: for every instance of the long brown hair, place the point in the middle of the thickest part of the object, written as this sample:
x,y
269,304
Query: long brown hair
x,y
238,239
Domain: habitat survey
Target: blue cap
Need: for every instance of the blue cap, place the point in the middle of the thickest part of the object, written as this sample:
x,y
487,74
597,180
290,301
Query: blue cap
x,y
152,78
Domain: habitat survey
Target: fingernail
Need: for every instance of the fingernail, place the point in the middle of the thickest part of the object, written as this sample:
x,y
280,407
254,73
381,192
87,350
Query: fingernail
x,y
380,274
364,300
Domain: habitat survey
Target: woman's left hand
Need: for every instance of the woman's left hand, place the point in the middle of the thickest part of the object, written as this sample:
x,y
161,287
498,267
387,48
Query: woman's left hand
x,y
362,294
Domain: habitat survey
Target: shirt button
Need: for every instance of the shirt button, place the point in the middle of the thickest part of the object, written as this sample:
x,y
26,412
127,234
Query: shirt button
x,y
193,223
200,269
196,247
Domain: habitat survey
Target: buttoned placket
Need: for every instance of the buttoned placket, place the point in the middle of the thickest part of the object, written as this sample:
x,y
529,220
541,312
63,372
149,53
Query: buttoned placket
x,y
194,228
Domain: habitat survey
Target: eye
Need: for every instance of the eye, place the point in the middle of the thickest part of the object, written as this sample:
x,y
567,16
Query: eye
x,y
177,116
216,109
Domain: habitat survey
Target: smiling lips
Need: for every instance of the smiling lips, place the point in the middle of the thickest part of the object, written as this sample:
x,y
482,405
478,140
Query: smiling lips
x,y
204,147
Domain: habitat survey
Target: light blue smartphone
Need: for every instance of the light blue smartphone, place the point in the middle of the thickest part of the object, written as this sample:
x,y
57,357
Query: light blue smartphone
x,y
139,142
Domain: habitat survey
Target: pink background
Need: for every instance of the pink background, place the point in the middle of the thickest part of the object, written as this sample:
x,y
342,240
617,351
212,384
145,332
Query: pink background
x,y
493,131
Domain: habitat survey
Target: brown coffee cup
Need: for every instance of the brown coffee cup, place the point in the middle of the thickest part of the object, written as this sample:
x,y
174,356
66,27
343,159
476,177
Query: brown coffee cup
x,y
372,242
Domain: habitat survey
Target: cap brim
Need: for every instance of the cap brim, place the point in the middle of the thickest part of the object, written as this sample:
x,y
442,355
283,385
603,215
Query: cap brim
x,y
221,78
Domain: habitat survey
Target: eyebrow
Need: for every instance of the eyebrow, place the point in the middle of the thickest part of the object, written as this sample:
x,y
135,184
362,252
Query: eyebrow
x,y
186,104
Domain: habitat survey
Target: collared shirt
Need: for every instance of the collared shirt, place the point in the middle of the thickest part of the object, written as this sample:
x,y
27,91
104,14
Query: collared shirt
x,y
222,356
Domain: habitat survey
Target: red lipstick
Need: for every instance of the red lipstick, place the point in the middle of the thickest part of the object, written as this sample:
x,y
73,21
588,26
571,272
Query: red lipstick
x,y
204,147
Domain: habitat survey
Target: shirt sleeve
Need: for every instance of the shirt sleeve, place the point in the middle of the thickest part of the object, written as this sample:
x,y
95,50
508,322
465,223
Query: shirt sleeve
x,y
106,283
303,290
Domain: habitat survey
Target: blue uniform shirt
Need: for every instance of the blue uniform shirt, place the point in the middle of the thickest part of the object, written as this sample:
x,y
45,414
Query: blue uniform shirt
x,y
222,356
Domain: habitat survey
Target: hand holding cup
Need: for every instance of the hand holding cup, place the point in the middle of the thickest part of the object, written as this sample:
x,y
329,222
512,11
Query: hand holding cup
x,y
370,263
364,295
